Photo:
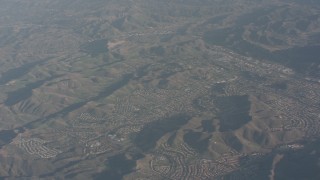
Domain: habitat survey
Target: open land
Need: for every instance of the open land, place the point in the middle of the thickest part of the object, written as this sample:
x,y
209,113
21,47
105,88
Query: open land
x,y
140,89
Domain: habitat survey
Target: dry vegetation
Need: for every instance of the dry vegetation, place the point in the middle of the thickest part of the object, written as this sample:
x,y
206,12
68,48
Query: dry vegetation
x,y
140,89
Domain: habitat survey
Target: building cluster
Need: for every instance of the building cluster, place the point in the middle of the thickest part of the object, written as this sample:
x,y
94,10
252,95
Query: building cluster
x,y
177,163
37,147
